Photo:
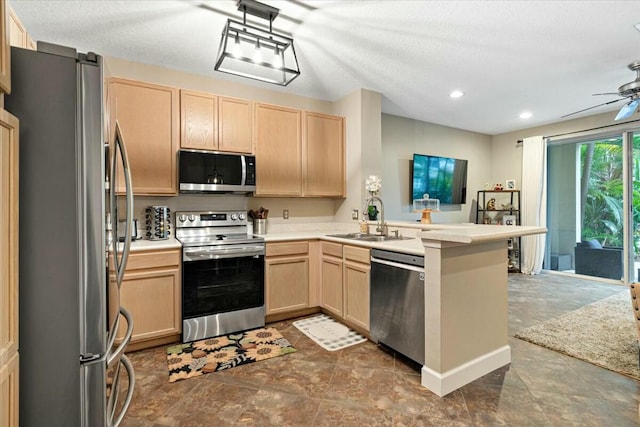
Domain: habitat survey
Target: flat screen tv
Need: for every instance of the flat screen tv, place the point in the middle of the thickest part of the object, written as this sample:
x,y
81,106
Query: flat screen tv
x,y
442,178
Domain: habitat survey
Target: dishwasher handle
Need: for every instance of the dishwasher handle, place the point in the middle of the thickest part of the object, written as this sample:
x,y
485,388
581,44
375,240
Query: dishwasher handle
x,y
398,265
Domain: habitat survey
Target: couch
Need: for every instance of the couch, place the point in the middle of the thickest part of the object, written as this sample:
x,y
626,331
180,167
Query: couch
x,y
593,259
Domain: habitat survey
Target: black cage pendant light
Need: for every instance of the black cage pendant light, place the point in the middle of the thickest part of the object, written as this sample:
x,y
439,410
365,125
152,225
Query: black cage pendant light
x,y
256,53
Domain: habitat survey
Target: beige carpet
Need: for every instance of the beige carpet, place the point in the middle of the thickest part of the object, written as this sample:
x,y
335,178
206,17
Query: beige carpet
x,y
603,333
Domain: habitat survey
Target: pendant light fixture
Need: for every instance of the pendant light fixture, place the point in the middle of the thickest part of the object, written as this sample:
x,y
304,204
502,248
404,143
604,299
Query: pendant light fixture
x,y
255,53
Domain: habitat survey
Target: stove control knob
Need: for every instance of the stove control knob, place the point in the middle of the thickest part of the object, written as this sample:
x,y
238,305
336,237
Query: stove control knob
x,y
242,216
234,216
182,218
192,217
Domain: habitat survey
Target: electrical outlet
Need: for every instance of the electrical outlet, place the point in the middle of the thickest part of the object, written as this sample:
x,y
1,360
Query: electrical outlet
x,y
354,214
285,213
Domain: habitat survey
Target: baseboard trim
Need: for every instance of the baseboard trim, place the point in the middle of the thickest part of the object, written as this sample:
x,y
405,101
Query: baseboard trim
x,y
445,383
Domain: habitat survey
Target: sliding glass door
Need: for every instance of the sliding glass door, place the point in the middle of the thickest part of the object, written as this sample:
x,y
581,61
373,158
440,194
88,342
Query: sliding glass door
x,y
585,206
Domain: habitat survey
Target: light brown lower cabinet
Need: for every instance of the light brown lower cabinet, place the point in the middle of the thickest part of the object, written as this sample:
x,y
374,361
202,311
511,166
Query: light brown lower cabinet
x,y
9,288
286,277
345,282
331,282
357,270
9,392
151,292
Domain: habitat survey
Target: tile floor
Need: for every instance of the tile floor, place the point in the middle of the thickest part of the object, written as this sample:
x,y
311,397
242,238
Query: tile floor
x,y
366,385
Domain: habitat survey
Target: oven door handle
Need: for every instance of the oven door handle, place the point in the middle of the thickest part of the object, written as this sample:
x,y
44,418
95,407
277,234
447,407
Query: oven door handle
x,y
236,252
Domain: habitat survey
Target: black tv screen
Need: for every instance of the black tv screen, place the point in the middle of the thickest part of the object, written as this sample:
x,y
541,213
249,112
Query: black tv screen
x,y
442,178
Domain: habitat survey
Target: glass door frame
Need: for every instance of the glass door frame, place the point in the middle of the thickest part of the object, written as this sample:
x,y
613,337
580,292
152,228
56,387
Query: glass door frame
x,y
626,133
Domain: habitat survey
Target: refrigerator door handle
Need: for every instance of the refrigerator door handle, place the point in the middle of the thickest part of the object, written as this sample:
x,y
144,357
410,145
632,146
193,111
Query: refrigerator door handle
x,y
112,419
121,263
118,353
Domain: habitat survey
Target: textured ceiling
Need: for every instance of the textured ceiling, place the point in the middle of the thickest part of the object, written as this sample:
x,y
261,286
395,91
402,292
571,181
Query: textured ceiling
x,y
546,57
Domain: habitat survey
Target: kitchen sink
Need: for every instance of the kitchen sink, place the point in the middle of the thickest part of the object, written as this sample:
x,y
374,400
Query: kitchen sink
x,y
369,237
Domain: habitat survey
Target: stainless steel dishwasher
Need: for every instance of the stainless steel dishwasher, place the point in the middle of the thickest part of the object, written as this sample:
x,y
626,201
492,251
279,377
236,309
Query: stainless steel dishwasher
x,y
397,302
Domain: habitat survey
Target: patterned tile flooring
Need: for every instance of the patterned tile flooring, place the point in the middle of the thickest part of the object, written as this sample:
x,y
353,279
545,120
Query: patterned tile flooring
x,y
366,385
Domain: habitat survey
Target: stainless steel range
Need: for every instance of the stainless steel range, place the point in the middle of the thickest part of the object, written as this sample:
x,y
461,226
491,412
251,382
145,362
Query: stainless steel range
x,y
222,274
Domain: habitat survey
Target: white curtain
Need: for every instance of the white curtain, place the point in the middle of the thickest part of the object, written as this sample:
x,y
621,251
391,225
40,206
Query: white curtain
x,y
534,201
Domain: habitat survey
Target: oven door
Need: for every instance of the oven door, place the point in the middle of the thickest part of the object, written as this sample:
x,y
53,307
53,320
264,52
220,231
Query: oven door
x,y
222,279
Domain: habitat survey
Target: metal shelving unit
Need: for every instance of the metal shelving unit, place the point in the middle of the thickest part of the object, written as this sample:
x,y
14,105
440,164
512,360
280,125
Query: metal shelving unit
x,y
505,210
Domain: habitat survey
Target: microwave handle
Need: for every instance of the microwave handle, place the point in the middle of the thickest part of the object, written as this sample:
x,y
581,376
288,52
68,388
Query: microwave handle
x,y
243,160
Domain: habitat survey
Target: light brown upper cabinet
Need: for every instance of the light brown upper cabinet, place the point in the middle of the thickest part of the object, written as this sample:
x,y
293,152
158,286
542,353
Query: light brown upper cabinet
x,y
215,123
149,120
278,151
235,125
5,49
18,35
198,120
324,155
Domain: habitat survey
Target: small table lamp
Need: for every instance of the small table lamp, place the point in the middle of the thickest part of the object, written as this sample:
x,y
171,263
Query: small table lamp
x,y
426,206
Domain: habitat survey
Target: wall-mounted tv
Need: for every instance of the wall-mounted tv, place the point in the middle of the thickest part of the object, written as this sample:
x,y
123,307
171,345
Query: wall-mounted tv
x,y
442,178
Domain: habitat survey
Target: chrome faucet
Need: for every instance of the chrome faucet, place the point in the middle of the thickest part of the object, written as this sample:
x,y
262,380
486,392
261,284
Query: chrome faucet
x,y
382,226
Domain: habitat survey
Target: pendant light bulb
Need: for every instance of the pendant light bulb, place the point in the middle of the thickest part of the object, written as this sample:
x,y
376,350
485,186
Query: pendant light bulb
x,y
237,50
257,54
277,59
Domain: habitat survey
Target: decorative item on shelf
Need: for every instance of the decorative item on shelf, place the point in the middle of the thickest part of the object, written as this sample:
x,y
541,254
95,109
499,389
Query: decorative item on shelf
x,y
426,206
256,53
506,207
491,204
510,184
372,185
498,187
509,220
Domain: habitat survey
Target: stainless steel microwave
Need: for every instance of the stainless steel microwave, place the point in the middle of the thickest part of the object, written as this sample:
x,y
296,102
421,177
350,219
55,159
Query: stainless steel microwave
x,y
212,172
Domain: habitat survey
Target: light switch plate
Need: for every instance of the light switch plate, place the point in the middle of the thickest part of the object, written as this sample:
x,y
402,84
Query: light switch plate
x,y
285,213
354,214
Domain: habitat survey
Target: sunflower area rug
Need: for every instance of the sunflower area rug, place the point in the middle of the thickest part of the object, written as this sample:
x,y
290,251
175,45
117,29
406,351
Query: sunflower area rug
x,y
225,352
603,333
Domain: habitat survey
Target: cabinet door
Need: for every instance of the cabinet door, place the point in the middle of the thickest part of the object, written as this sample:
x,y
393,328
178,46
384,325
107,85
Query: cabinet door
x,y
324,155
198,120
8,269
17,34
5,49
148,117
153,297
331,285
235,125
286,284
356,293
278,151
9,383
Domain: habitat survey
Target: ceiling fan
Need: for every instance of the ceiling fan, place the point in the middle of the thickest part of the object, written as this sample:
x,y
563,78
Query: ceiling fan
x,y
629,91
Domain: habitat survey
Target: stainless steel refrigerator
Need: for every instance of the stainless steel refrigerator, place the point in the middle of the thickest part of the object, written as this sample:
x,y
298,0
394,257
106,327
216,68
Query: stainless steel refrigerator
x,y
66,335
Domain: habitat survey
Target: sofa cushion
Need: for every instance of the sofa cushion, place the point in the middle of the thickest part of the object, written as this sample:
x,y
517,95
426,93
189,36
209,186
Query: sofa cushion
x,y
593,243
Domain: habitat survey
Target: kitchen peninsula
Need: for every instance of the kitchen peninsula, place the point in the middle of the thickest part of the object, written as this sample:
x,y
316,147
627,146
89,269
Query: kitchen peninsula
x,y
465,294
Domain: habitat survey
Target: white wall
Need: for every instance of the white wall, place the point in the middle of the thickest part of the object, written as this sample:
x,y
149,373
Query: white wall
x,y
402,137
506,153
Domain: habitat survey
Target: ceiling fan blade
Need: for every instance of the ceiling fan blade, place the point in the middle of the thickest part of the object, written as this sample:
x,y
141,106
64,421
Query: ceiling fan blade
x,y
628,109
606,93
595,106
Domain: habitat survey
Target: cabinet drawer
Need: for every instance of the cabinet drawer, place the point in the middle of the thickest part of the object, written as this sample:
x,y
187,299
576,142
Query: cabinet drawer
x,y
153,259
289,248
357,254
333,249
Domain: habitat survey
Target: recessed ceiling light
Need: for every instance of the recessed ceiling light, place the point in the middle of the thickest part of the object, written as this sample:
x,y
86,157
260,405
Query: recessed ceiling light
x,y
456,94
525,115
